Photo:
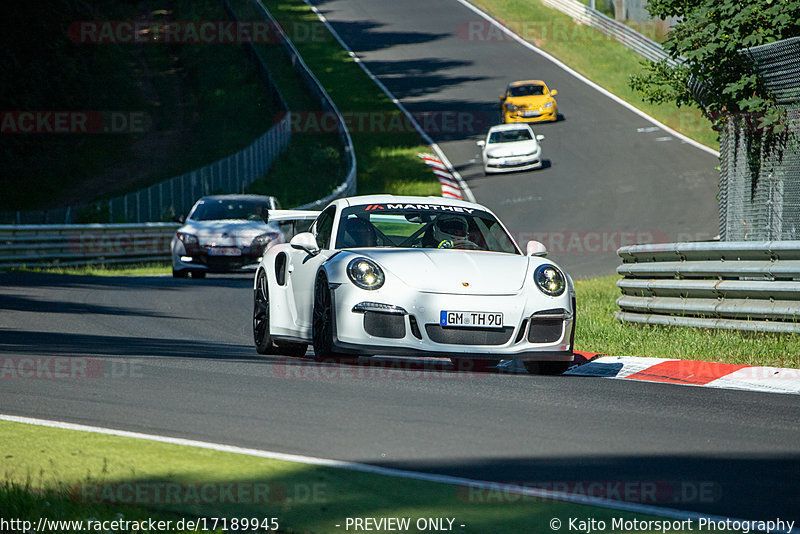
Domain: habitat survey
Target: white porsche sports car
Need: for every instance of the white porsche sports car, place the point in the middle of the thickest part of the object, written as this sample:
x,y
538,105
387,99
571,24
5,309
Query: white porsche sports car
x,y
414,276
511,147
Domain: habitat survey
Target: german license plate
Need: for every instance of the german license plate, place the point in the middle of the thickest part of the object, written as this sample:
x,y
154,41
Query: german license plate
x,y
474,319
224,251
530,113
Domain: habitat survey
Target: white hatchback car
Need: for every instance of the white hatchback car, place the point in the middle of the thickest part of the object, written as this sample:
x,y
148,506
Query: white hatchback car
x,y
426,276
511,147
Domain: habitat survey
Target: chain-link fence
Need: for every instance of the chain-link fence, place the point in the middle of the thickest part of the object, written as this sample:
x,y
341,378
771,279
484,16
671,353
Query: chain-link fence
x,y
759,195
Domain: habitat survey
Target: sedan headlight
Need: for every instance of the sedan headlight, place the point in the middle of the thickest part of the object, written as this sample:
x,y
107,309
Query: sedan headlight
x,y
549,280
548,105
365,273
512,107
261,242
190,241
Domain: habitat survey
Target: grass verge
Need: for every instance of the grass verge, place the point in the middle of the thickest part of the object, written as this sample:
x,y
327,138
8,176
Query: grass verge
x,y
145,269
598,57
68,474
599,331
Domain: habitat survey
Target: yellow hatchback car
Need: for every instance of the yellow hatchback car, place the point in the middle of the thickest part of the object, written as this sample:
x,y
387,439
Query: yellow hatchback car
x,y
529,101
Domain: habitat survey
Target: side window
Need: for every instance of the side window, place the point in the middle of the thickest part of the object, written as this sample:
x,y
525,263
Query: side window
x,y
323,227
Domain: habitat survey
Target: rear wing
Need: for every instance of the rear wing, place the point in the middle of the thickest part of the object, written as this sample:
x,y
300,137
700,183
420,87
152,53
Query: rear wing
x,y
292,222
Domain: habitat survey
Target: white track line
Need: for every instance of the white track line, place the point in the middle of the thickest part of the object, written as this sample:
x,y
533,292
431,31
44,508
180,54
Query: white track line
x,y
583,78
515,489
468,195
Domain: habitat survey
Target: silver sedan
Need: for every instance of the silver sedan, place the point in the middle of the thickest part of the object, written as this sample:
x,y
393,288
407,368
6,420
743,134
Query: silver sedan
x,y
230,233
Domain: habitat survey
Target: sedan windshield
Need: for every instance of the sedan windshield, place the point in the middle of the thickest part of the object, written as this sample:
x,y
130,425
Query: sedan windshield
x,y
229,209
526,90
422,226
510,136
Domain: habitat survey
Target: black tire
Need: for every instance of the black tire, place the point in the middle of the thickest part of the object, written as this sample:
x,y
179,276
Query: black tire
x,y
322,320
547,368
198,274
475,365
180,274
261,337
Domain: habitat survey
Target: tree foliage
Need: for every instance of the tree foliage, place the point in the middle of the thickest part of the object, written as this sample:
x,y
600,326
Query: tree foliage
x,y
709,71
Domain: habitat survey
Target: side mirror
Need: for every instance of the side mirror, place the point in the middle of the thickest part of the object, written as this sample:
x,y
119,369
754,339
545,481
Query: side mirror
x,y
554,92
539,137
481,143
305,241
179,219
535,248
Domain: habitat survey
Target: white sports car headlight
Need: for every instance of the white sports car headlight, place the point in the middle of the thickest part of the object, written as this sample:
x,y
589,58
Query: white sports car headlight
x,y
549,280
365,273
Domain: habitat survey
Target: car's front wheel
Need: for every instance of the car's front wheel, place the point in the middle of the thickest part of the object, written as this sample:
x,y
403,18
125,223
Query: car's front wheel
x,y
322,323
261,337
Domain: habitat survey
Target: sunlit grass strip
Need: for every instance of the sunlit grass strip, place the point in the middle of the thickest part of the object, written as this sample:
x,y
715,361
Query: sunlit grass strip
x,y
599,331
74,469
146,269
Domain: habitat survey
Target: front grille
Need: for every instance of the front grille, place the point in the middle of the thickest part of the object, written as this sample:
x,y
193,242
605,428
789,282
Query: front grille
x,y
468,336
385,325
225,263
545,330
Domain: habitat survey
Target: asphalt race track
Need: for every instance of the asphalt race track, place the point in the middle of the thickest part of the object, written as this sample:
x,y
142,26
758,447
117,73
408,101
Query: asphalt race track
x,y
174,357
610,171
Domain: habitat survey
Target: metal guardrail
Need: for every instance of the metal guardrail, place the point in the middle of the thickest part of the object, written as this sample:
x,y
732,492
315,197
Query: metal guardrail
x,y
84,244
626,35
744,285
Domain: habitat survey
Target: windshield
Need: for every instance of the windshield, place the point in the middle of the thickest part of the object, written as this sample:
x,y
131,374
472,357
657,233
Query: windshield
x,y
227,209
422,226
510,136
526,90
